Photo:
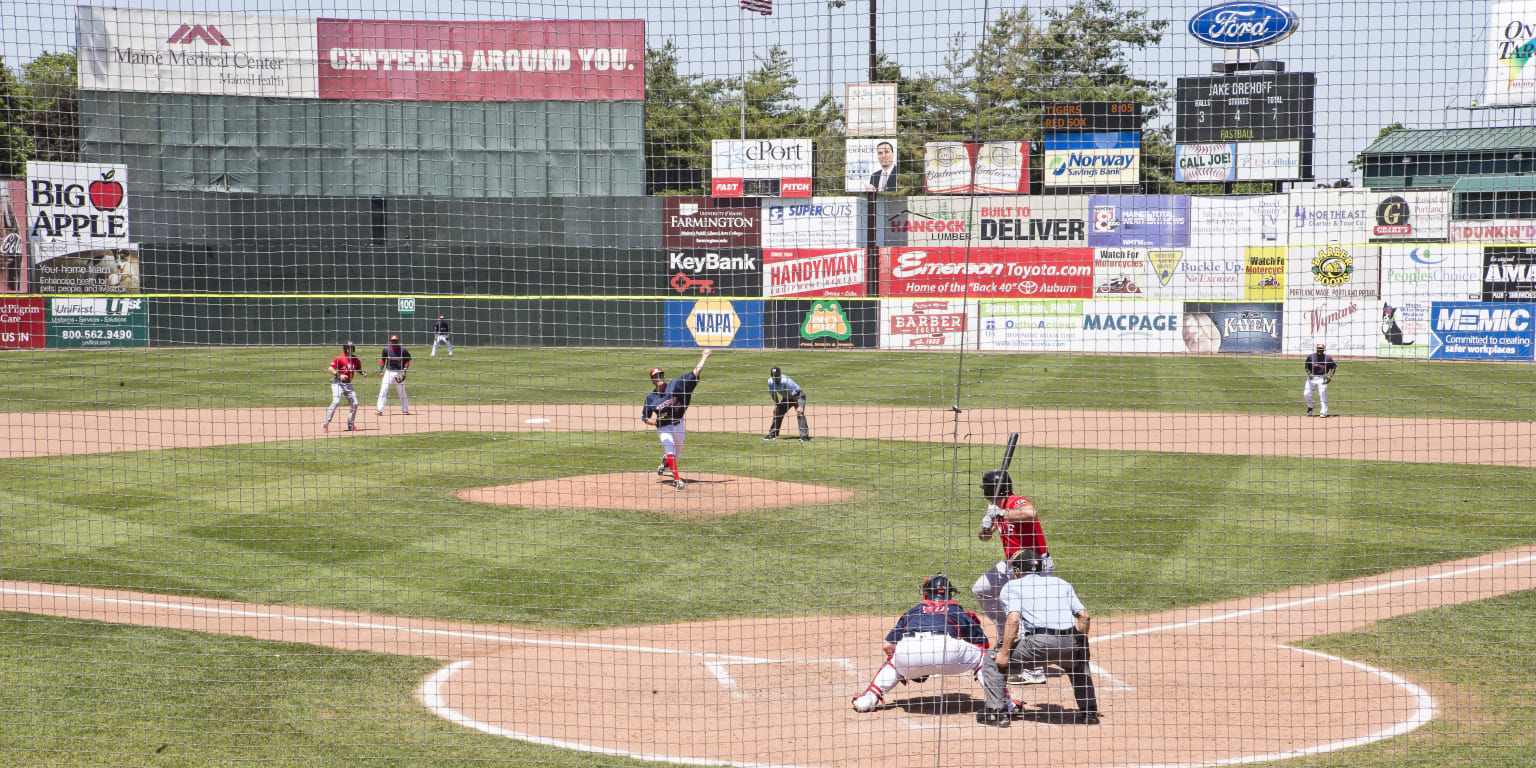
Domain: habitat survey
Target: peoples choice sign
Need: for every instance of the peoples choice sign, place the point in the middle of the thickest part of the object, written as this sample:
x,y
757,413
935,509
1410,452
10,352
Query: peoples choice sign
x,y
813,272
1020,273
599,60
218,54
763,167
74,207
704,222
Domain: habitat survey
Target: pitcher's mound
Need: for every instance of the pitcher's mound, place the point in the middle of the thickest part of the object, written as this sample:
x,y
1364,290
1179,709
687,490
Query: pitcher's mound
x,y
704,495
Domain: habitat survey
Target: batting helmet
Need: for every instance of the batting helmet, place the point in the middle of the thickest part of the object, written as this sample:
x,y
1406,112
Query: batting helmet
x,y
1024,561
996,484
348,347
774,372
937,587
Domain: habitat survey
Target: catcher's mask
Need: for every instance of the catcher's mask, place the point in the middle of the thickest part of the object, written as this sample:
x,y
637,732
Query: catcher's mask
x,y
1023,562
937,587
348,347
996,485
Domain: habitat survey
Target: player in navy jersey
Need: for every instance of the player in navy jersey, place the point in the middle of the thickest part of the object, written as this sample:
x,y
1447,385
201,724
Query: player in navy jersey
x,y
934,637
664,409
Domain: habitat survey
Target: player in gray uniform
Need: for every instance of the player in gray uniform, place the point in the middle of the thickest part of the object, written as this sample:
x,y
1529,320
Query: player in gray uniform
x,y
786,394
343,367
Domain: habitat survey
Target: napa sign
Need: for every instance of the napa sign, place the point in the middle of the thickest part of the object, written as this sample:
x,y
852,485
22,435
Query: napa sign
x,y
1243,25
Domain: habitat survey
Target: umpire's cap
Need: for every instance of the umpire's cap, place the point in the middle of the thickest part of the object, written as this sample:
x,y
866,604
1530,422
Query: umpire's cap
x,y
774,372
996,484
1024,561
937,587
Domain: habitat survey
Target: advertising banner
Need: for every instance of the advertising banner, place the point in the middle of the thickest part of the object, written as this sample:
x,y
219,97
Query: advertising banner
x,y
711,272
1481,331
707,222
1410,215
1269,161
1494,231
1509,273
97,323
13,236
1030,326
214,54
1264,273
814,272
1333,272
108,270
1322,216
1000,167
1093,159
1403,329
823,324
1000,221
938,324
1509,69
594,60
761,167
820,222
1212,274
23,322
1118,272
1232,327
73,207
1017,273
1132,327
1432,273
1238,221
870,165
1205,162
1347,326
714,323
1147,221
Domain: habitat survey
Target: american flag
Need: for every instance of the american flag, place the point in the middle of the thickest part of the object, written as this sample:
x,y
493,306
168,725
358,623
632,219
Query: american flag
x,y
765,7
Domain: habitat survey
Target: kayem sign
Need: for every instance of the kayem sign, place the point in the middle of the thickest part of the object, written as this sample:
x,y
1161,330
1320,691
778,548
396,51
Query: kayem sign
x,y
970,168
1092,159
598,60
73,207
1205,162
813,272
216,54
1019,273
761,168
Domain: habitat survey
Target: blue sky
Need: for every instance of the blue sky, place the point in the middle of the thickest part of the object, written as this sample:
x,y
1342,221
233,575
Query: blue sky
x,y
1413,61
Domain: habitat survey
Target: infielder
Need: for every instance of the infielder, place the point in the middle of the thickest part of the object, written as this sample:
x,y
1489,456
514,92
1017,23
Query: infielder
x,y
1320,368
440,335
1046,622
934,637
668,403
343,367
786,394
393,364
1017,524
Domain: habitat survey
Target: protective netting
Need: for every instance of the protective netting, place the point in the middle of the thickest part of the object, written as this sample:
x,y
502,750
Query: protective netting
x,y
510,383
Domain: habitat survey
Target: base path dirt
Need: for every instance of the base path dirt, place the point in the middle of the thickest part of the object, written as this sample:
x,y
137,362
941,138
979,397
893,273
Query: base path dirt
x,y
1206,685
703,494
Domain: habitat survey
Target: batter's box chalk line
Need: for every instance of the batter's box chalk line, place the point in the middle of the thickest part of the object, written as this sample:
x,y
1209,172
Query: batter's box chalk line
x,y
723,675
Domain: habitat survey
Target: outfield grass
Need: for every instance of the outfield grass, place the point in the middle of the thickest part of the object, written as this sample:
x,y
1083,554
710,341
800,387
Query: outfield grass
x,y
296,376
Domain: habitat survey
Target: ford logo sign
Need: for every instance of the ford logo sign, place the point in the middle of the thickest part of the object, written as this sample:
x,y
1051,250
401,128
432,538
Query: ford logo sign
x,y
1243,25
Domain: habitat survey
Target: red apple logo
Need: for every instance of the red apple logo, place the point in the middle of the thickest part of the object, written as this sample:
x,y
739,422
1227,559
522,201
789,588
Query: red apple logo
x,y
105,193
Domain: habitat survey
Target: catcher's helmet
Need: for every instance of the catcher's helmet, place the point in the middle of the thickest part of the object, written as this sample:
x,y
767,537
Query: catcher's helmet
x,y
774,372
996,484
1024,561
348,346
937,587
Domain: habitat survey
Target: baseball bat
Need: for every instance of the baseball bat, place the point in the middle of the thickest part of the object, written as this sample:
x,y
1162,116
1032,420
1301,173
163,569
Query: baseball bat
x,y
1013,442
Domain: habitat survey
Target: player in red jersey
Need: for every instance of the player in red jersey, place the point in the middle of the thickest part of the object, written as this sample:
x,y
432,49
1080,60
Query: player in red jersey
x,y
343,367
1017,523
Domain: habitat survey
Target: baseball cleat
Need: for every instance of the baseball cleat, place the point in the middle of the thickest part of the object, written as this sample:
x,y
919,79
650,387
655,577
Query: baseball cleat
x,y
378,413
1028,677
661,469
680,485
1087,718
351,428
1309,410
770,437
805,438
994,717
325,427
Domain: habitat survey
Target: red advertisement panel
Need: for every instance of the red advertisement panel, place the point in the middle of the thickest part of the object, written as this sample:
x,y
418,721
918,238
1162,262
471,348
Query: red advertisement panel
x,y
813,272
13,236
704,222
601,60
987,273
23,323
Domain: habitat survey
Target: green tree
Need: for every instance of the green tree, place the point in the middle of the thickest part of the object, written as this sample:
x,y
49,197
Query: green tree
x,y
1359,160
15,142
679,110
53,116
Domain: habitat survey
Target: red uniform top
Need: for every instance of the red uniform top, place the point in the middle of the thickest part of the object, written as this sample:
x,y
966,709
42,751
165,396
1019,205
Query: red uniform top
x,y
1019,534
345,364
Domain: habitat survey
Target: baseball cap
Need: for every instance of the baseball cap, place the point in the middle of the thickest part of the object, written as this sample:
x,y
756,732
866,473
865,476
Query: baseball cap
x,y
1322,346
439,317
656,372
394,338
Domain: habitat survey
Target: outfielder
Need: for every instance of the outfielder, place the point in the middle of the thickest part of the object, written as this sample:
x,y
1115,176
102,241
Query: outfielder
x,y
440,335
668,403
1320,369
1046,622
1017,523
786,394
343,367
393,364
934,637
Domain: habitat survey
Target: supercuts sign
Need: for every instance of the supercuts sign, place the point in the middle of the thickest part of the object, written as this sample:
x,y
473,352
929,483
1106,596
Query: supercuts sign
x,y
1020,273
74,207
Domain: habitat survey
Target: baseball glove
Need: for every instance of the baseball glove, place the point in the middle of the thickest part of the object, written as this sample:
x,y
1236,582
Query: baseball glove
x,y
400,378
1327,379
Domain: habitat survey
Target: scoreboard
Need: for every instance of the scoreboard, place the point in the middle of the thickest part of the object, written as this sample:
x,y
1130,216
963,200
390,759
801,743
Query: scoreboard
x,y
1274,106
1091,116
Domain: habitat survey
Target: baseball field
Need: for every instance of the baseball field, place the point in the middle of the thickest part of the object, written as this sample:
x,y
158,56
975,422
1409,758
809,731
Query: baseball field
x,y
194,574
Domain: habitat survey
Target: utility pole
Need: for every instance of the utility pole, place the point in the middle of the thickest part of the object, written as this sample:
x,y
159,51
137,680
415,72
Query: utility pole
x,y
871,251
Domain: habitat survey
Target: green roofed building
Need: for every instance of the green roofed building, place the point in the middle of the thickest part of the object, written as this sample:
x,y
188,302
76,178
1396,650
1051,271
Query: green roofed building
x,y
1491,172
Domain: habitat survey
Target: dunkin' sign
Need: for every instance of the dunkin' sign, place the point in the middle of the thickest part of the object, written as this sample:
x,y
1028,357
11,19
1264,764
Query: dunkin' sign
x,y
73,207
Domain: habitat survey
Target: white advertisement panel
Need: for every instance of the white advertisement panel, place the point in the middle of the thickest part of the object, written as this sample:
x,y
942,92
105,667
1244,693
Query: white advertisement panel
x,y
1205,162
1238,222
1031,326
1005,221
74,207
1517,231
1410,215
1000,167
216,54
942,324
1194,274
745,168
1132,327
1413,277
869,165
1119,272
1509,68
1322,216
818,222
1347,326
1332,272
1268,160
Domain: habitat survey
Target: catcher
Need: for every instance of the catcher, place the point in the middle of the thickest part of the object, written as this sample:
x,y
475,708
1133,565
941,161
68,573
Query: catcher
x,y
393,364
1320,369
934,637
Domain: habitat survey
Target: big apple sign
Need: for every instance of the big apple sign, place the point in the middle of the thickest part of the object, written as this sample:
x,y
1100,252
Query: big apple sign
x,y
74,207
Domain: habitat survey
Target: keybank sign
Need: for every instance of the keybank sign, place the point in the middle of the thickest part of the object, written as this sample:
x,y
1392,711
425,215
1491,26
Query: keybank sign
x,y
1243,25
